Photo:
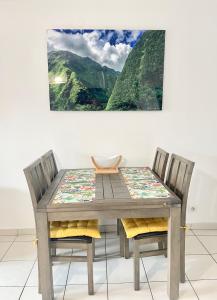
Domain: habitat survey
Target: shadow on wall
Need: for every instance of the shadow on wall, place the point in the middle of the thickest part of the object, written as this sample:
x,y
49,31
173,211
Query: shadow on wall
x,y
202,204
16,209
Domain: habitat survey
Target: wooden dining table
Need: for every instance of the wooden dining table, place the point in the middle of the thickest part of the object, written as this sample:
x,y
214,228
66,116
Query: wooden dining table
x,y
113,198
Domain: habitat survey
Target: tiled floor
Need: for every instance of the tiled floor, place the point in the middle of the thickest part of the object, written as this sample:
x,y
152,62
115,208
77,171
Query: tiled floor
x,y
113,276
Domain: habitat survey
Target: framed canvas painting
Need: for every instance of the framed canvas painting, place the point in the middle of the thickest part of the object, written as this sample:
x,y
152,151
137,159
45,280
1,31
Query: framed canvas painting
x,y
105,70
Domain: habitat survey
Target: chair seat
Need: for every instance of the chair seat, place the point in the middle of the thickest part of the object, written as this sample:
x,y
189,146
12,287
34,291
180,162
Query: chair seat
x,y
77,228
137,226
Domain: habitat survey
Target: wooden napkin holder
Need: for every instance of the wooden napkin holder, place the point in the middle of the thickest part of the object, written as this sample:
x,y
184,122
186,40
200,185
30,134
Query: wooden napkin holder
x,y
113,169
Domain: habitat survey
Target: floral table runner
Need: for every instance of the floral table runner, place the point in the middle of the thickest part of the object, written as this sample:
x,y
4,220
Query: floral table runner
x,y
141,183
76,186
79,185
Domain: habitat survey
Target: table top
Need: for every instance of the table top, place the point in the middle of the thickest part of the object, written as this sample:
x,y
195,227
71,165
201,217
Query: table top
x,y
81,189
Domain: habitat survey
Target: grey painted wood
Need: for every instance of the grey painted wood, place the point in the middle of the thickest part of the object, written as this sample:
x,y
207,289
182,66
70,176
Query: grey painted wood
x,y
135,212
53,251
69,258
174,253
49,166
122,238
160,245
178,180
182,255
107,204
38,184
126,248
136,265
160,163
68,245
36,181
90,269
46,277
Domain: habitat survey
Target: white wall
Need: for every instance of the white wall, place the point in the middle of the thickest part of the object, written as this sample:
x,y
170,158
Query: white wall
x,y
187,125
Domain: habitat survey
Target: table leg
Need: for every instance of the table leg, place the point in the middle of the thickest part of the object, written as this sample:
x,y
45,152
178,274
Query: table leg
x,y
44,253
173,253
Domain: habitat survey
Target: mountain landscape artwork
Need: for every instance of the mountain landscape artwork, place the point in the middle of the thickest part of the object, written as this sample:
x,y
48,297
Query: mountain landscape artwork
x,y
105,70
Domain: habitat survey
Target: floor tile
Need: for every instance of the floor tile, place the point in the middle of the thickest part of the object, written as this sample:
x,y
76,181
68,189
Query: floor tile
x,y
210,242
125,291
113,247
77,291
25,238
60,271
159,291
156,268
7,238
21,251
215,257
4,246
10,293
200,267
120,270
193,246
189,232
205,289
31,293
14,273
78,272
205,231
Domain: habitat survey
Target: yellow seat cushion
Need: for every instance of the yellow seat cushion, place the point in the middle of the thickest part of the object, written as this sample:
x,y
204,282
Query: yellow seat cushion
x,y
88,228
135,226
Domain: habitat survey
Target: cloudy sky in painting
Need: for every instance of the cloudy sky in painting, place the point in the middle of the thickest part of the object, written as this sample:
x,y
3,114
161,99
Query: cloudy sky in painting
x,y
107,47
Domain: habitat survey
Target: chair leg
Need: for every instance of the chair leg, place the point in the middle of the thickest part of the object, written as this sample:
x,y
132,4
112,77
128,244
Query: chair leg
x,y
165,246
118,226
39,277
90,268
53,251
122,238
182,255
93,247
126,247
136,265
160,245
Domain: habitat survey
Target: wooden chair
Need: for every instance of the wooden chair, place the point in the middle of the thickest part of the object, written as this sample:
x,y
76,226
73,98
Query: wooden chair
x,y
160,163
49,166
178,180
37,183
159,168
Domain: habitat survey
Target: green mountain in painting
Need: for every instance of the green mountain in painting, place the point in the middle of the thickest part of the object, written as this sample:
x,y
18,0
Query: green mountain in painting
x,y
82,83
140,84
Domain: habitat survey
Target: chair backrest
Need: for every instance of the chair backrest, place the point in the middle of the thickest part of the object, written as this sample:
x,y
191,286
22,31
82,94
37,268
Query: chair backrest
x,y
49,166
36,181
160,163
178,180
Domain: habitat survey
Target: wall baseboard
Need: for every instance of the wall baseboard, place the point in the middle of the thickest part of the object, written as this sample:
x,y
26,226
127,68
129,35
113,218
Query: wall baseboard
x,y
208,226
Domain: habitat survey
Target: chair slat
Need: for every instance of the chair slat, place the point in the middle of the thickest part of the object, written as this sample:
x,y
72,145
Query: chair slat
x,y
160,163
49,166
178,180
37,181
